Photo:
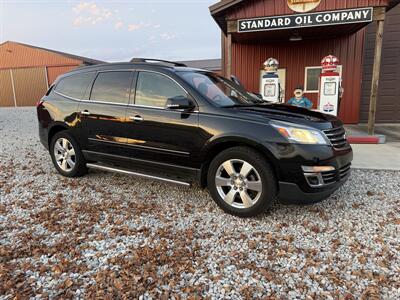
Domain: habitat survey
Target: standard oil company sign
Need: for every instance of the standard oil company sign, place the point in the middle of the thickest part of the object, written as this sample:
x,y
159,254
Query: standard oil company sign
x,y
336,17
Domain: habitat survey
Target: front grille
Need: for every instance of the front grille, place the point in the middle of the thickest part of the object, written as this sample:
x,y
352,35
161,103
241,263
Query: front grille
x,y
329,177
344,171
337,137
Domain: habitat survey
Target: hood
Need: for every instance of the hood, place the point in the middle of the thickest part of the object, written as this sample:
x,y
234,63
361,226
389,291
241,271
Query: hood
x,y
292,114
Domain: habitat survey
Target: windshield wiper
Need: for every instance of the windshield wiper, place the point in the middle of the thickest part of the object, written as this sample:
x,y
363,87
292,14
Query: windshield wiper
x,y
240,105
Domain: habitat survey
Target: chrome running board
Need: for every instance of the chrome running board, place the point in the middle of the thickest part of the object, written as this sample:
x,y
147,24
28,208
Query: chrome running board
x,y
127,172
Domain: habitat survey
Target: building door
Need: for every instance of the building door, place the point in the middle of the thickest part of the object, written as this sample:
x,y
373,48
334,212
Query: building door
x,y
6,89
282,79
30,85
23,86
388,105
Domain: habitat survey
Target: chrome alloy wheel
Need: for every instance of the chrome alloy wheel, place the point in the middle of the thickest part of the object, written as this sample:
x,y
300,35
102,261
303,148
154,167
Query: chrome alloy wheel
x,y
64,154
238,183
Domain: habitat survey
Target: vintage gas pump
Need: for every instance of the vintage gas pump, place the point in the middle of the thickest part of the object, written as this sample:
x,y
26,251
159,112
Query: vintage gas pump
x,y
330,89
270,86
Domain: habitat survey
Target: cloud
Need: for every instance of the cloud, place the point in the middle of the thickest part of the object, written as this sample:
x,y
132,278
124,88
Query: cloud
x,y
90,13
118,25
168,36
141,25
134,27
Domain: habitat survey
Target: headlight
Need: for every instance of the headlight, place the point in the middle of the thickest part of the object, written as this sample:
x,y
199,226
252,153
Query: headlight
x,y
300,135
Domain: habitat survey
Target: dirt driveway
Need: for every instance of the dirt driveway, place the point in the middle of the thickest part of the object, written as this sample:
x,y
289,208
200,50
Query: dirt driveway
x,y
110,235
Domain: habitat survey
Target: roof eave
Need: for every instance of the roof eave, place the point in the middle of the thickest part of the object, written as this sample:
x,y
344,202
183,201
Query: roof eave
x,y
217,10
84,60
393,3
223,5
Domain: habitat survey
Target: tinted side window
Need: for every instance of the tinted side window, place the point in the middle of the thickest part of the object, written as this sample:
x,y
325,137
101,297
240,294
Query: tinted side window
x,y
154,90
75,85
112,87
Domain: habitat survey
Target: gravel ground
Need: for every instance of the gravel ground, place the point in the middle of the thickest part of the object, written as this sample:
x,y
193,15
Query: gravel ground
x,y
107,235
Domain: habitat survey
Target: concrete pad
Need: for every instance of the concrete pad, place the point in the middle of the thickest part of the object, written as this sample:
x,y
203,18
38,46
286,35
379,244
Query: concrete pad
x,y
379,157
390,131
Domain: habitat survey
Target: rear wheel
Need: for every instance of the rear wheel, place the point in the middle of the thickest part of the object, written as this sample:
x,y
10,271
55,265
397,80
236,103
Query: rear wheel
x,y
67,155
241,182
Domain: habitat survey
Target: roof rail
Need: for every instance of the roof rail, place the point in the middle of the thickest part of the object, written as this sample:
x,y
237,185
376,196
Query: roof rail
x,y
147,60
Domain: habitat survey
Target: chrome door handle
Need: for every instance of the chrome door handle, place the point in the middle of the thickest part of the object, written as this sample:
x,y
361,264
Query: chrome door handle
x,y
85,113
136,118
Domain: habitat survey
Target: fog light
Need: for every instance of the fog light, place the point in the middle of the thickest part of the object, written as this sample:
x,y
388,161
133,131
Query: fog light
x,y
313,180
317,169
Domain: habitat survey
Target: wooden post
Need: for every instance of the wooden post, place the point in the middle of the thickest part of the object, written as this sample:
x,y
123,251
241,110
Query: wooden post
x,y
229,57
375,76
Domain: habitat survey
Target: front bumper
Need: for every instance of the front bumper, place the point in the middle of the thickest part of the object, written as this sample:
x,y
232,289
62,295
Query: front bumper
x,y
294,162
290,193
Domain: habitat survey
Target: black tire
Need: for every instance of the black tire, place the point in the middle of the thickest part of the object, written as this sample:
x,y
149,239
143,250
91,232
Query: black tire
x,y
79,169
261,168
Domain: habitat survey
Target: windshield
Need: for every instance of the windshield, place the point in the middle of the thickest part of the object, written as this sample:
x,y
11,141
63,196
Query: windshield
x,y
218,90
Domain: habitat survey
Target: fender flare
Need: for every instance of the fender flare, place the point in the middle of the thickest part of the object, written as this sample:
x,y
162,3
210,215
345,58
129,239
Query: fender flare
x,y
227,141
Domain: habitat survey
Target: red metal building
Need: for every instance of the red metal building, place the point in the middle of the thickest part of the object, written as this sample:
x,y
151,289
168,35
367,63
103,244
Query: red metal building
x,y
27,71
299,49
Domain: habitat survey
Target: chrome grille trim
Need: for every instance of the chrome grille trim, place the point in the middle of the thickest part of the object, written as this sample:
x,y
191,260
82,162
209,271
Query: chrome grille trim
x,y
337,137
344,171
327,178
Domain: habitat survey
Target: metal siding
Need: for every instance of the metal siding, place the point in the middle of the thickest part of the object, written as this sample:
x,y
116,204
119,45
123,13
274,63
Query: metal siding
x,y
260,8
14,55
388,104
30,85
248,56
54,72
247,60
6,90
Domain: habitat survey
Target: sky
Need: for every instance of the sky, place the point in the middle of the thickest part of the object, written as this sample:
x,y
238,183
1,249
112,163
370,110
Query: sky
x,y
114,30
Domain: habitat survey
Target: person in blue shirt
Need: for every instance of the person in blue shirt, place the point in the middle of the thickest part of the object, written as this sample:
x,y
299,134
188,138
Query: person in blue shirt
x,y
299,99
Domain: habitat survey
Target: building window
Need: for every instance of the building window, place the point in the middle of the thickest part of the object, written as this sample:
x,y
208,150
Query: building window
x,y
311,82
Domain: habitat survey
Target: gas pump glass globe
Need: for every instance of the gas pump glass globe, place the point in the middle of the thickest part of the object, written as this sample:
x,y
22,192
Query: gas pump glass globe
x,y
271,65
330,63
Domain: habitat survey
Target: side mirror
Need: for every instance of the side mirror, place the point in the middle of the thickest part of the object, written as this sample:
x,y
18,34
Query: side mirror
x,y
180,103
236,80
258,96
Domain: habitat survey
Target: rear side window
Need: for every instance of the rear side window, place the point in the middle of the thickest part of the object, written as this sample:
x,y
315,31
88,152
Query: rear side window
x,y
112,87
75,86
154,89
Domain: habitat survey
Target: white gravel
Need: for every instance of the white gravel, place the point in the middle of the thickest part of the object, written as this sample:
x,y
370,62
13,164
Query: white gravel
x,y
124,237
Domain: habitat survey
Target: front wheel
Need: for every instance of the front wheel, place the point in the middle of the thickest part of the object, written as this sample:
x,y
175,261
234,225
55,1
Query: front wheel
x,y
67,155
242,182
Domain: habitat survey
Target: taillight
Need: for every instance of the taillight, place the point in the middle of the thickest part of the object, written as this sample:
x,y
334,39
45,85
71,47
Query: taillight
x,y
40,102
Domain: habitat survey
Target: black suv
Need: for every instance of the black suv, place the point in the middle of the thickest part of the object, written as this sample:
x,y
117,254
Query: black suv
x,y
165,121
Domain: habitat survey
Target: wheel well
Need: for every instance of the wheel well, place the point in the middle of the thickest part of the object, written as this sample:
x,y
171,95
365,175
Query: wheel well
x,y
55,129
214,151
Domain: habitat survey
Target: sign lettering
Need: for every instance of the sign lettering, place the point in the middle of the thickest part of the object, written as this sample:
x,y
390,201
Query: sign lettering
x,y
359,15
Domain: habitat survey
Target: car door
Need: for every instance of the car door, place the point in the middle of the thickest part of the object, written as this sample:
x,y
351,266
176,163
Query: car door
x,y
158,134
103,115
